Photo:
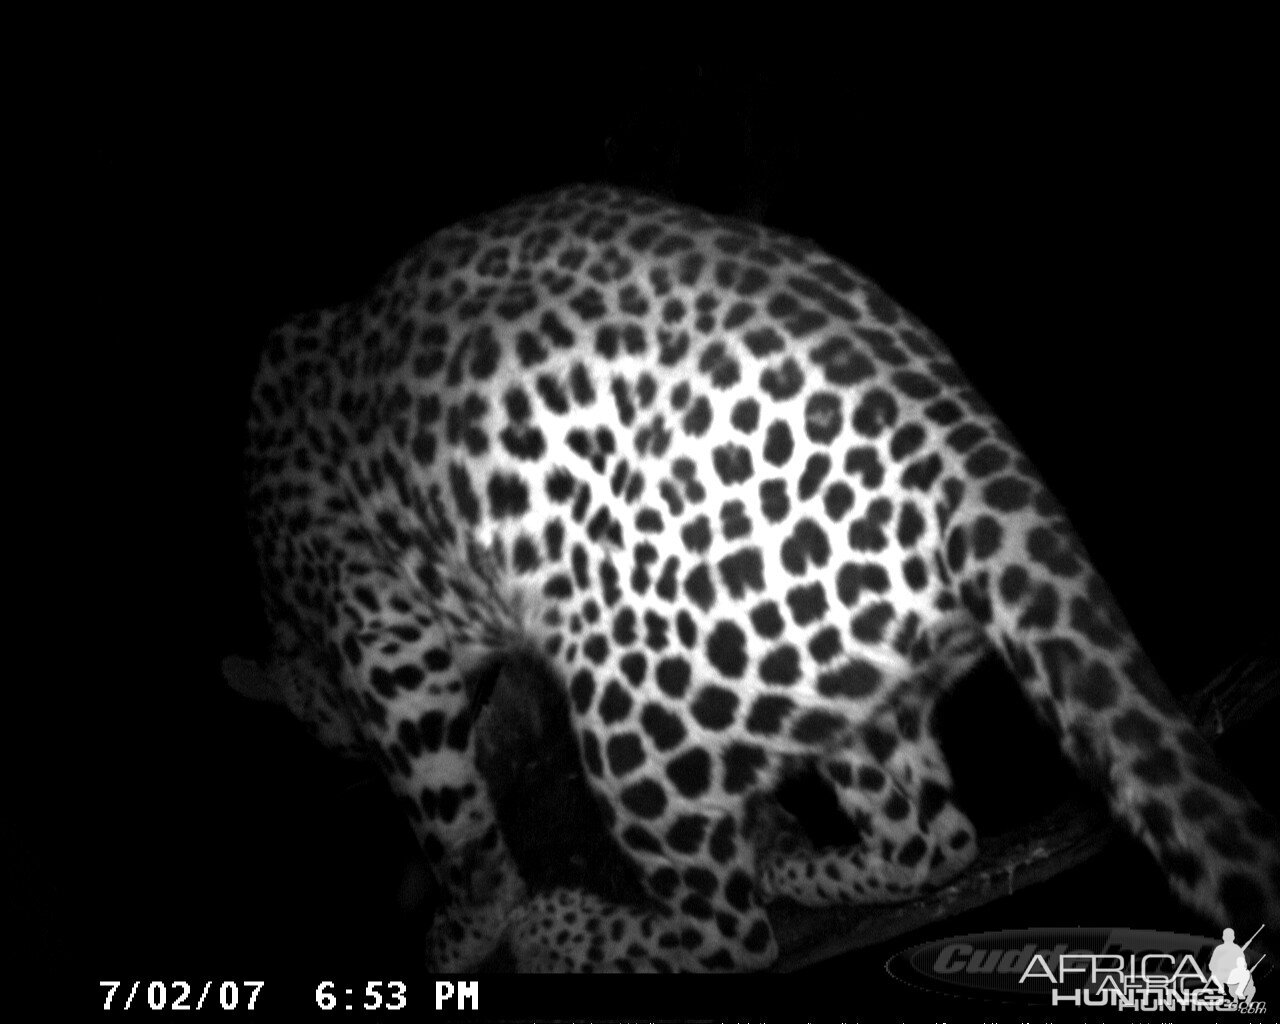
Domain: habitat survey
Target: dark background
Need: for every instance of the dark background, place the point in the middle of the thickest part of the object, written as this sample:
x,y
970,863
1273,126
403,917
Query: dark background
x,y
1085,233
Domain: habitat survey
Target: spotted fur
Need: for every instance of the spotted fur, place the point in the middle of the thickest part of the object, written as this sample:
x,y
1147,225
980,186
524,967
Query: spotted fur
x,y
754,519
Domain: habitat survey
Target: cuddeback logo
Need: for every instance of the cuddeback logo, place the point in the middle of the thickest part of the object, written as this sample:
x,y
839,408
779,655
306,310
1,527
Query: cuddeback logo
x,y
1090,967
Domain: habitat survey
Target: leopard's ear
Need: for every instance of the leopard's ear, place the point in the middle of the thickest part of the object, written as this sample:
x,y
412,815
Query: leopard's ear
x,y
249,680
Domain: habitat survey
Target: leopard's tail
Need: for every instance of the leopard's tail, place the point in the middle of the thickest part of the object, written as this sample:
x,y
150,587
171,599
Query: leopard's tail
x,y
1055,623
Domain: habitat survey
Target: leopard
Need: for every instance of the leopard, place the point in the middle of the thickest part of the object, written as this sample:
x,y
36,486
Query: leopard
x,y
750,516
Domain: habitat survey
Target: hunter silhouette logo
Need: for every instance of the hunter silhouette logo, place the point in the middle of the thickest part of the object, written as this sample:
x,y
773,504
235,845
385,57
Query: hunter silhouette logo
x,y
1229,968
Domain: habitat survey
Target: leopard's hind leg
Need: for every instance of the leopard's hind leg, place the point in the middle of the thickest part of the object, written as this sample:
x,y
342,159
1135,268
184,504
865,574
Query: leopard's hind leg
x,y
892,782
